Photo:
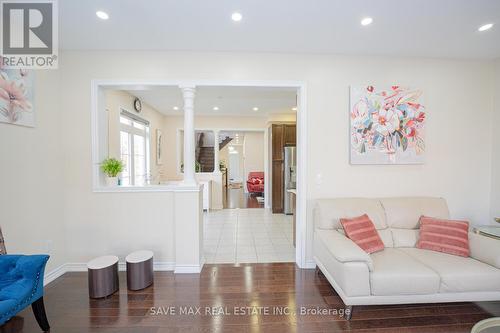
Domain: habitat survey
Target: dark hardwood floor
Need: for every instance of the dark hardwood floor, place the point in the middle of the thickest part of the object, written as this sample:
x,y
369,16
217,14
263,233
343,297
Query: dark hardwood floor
x,y
237,198
275,286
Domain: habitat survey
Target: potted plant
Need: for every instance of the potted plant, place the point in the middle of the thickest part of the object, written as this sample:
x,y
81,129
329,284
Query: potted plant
x,y
197,167
222,165
111,168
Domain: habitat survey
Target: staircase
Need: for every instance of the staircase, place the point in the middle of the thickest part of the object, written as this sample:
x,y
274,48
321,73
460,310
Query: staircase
x,y
205,155
224,142
206,159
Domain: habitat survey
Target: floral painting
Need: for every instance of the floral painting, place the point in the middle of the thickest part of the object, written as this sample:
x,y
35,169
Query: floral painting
x,y
387,125
159,147
16,96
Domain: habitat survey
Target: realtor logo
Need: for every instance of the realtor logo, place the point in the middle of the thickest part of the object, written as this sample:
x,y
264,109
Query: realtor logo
x,y
29,34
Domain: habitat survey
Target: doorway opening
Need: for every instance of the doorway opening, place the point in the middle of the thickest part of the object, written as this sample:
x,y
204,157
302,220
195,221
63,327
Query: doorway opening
x,y
243,160
258,167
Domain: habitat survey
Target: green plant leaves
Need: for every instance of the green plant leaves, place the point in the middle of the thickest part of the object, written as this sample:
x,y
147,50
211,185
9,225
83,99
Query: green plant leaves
x,y
111,167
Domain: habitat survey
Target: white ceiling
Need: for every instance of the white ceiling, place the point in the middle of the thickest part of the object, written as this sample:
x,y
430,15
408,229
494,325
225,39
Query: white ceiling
x,y
434,28
231,101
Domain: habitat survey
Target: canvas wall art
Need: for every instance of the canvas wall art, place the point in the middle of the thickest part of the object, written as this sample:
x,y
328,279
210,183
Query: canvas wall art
x,y
159,147
16,97
387,125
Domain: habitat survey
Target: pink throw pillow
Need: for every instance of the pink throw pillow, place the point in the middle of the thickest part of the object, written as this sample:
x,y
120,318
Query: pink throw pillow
x,y
447,236
361,231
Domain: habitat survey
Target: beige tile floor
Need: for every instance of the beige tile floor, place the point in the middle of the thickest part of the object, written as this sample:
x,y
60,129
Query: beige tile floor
x,y
248,236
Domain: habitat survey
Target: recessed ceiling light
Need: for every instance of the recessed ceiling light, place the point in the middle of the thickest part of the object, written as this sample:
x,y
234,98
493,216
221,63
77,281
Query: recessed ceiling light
x,y
255,108
176,108
236,17
294,108
366,21
485,27
102,15
216,108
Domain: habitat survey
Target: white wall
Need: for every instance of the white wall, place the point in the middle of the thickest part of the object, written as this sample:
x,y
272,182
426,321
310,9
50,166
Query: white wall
x,y
459,145
32,177
495,181
253,154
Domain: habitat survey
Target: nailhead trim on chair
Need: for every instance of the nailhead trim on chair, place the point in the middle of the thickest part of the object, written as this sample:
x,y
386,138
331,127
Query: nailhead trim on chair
x,y
26,301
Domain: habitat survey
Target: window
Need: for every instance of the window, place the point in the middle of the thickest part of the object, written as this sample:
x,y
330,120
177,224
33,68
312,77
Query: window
x,y
134,149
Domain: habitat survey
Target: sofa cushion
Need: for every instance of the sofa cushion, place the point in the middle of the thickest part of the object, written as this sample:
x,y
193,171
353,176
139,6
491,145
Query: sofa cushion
x,y
397,273
405,212
362,232
405,237
385,235
255,181
458,274
446,236
328,212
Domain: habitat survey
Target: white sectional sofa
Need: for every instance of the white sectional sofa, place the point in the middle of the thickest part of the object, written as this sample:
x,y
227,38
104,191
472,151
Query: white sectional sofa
x,y
401,273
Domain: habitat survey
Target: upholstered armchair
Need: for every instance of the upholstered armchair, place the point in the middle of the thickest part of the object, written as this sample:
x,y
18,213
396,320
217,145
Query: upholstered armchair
x,y
21,284
255,182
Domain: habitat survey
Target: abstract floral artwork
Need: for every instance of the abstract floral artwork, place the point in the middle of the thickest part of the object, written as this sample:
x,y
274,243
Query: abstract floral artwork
x,y
159,147
16,96
387,125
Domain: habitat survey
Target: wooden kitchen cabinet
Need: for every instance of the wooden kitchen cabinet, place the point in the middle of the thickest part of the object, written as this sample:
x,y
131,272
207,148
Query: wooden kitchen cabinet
x,y
290,138
278,137
282,135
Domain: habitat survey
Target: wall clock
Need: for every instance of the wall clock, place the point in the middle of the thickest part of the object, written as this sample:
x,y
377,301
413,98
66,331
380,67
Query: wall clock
x,y
137,105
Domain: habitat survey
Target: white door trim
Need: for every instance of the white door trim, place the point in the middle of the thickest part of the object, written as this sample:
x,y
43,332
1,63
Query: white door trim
x,y
97,87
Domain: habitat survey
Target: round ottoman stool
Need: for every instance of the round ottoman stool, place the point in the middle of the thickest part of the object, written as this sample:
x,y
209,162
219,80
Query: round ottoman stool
x,y
103,276
139,270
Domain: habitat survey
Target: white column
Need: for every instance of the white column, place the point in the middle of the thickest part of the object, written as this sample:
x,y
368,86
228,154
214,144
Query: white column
x,y
188,93
216,152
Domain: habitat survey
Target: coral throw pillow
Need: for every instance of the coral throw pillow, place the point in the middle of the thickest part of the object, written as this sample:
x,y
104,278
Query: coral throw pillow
x,y
361,231
255,181
446,236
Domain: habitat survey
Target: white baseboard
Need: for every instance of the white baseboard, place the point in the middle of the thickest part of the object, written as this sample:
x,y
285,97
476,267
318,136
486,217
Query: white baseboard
x,y
76,267
310,264
163,266
82,267
54,274
188,269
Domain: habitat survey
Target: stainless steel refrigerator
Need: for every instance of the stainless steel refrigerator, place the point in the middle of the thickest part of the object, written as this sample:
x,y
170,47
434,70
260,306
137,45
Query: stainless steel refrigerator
x,y
290,175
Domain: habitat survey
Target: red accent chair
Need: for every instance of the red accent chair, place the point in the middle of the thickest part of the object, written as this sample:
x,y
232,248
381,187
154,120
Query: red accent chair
x,y
255,182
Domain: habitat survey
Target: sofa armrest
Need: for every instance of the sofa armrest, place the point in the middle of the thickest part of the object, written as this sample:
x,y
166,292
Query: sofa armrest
x,y
28,268
8,262
485,249
342,248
